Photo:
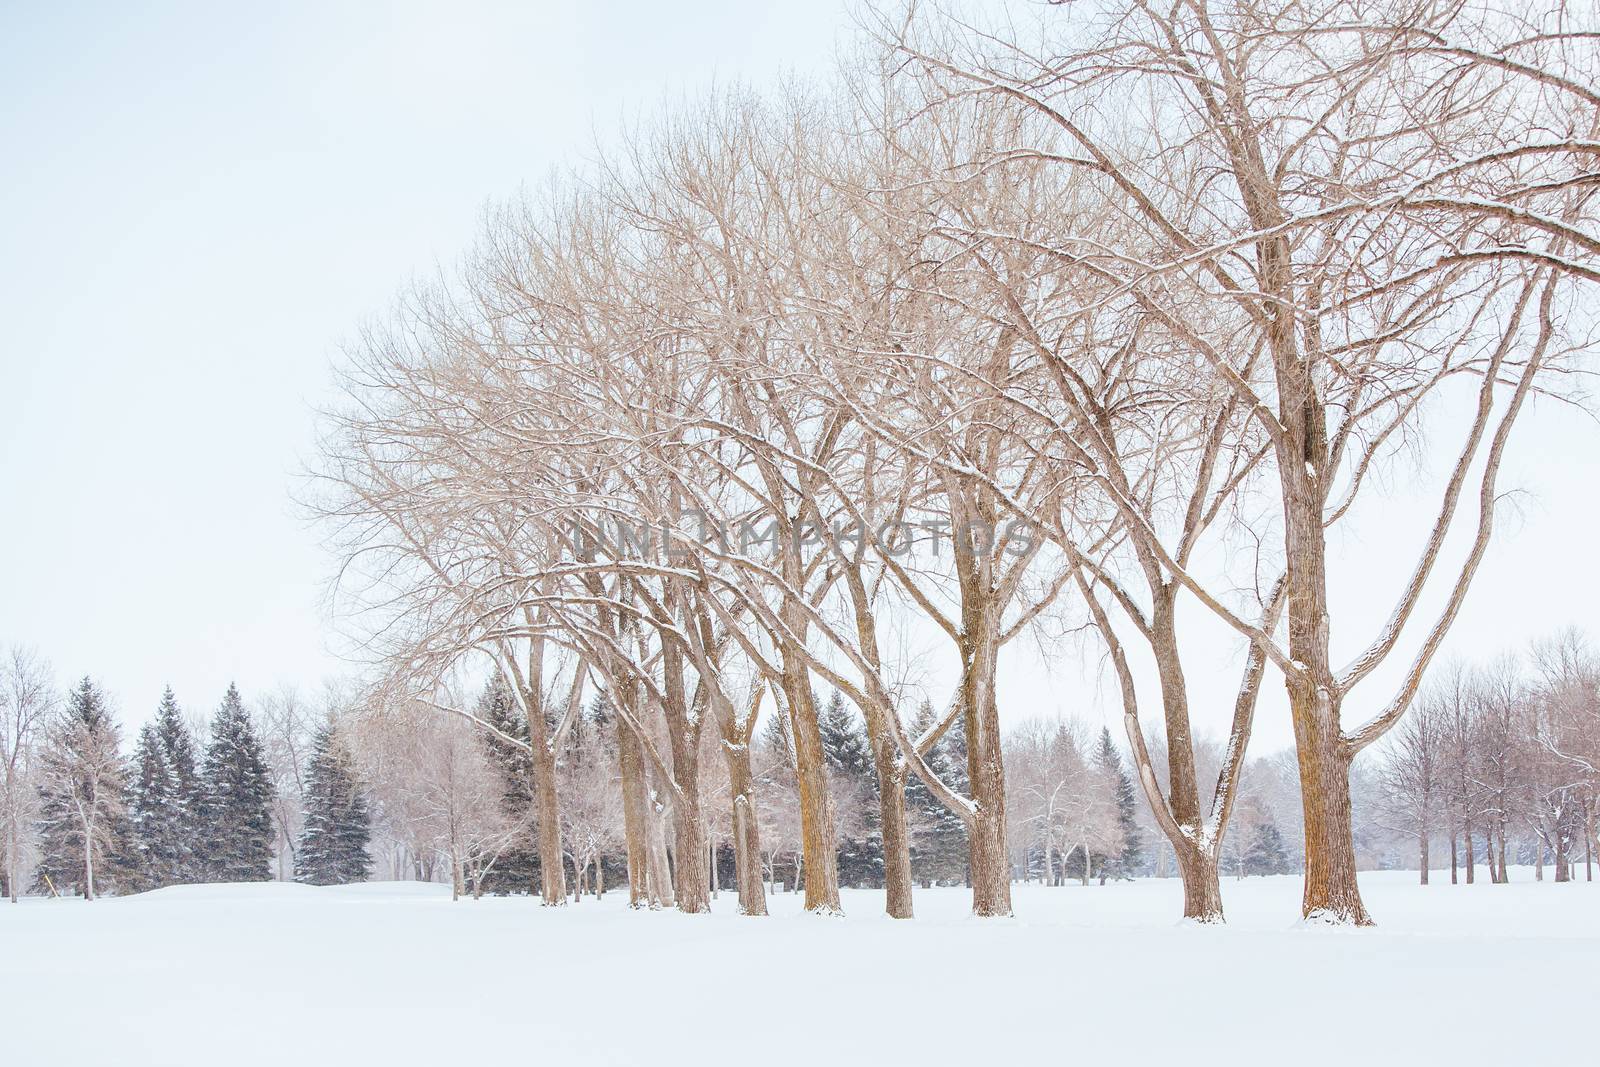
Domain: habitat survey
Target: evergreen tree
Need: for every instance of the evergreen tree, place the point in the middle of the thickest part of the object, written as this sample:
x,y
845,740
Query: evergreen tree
x,y
844,740
939,851
844,746
178,750
1266,854
517,869
333,844
1131,859
160,854
237,798
82,832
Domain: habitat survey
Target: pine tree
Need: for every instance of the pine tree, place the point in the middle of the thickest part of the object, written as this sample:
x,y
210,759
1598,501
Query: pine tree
x,y
163,801
1131,859
1266,854
517,869
178,749
237,798
155,816
333,844
939,851
844,746
82,832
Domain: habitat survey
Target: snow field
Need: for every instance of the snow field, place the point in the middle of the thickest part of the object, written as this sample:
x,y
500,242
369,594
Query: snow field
x,y
397,973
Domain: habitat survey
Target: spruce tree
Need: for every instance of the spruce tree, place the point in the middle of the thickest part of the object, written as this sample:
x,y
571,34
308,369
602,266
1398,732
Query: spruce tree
x,y
1266,854
939,851
178,749
517,869
237,798
160,854
82,831
844,746
1131,859
333,844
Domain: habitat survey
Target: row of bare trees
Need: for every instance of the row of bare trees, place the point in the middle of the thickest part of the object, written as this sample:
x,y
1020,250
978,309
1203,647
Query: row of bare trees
x,y
1080,313
1503,753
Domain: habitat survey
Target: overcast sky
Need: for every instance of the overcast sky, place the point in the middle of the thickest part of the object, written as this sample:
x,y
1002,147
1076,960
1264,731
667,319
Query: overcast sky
x,y
200,205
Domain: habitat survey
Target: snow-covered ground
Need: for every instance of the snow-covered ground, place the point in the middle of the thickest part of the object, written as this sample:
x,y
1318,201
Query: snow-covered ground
x,y
395,973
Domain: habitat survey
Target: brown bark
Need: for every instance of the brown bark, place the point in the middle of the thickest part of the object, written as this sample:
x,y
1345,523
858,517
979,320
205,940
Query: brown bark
x,y
546,805
1331,891
896,835
635,813
818,848
986,829
1202,890
891,771
746,832
689,838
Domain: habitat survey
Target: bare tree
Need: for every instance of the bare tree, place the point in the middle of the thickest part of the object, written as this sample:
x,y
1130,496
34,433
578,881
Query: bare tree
x,y
1416,213
1413,775
27,699
81,775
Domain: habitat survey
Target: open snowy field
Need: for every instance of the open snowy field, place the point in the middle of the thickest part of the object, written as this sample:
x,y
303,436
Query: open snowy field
x,y
397,973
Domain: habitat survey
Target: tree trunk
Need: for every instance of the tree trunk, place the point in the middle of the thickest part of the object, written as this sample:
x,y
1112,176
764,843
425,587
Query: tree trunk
x,y
88,860
547,813
1202,890
892,821
1331,891
659,866
986,829
689,837
1589,840
887,763
746,832
635,813
1422,863
819,850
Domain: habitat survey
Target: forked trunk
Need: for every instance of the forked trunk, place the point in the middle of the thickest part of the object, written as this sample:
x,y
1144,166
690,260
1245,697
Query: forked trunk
x,y
1202,888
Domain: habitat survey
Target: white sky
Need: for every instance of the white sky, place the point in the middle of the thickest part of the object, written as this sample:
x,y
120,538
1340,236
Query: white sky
x,y
199,206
